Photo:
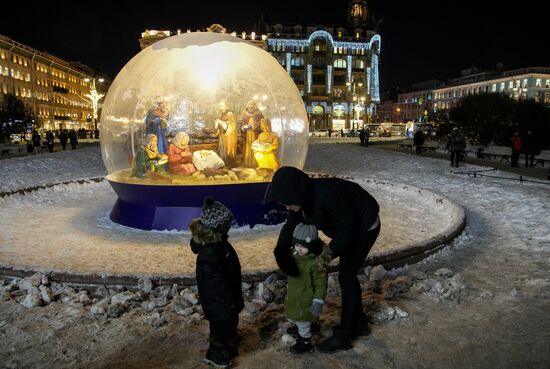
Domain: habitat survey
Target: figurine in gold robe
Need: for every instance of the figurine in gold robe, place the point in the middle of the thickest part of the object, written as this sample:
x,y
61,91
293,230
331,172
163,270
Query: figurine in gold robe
x,y
265,147
226,129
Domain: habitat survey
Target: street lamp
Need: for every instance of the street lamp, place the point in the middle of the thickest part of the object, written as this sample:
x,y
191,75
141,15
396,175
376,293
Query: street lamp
x,y
94,96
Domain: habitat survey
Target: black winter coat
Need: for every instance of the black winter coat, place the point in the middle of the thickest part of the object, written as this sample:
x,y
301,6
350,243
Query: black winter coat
x,y
340,209
418,139
218,279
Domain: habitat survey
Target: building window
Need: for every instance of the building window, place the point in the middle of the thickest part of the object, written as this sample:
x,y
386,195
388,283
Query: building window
x,y
494,87
547,84
340,63
538,82
2,54
502,86
525,83
297,62
358,64
510,85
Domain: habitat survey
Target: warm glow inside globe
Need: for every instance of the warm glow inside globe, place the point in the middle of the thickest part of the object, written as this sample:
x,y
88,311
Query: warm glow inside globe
x,y
202,108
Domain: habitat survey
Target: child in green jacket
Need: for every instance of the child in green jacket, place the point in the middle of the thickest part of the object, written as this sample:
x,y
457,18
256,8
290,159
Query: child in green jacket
x,y
306,292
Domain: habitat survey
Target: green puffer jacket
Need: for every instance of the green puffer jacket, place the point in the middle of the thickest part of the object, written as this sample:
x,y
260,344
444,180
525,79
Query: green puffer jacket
x,y
310,284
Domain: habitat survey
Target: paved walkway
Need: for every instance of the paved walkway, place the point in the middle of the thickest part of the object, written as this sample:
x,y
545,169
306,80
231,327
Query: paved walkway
x,y
390,143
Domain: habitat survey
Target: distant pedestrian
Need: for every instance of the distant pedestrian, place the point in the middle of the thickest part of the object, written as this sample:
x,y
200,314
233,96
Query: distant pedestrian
x,y
362,137
63,138
218,280
516,149
367,136
73,139
49,141
531,147
30,147
418,140
456,144
36,142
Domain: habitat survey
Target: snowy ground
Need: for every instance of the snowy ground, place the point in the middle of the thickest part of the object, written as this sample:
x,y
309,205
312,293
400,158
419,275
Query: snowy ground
x,y
500,320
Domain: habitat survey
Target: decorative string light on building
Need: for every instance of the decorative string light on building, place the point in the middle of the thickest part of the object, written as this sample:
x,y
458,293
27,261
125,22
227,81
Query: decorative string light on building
x,y
329,79
375,92
309,77
349,71
288,62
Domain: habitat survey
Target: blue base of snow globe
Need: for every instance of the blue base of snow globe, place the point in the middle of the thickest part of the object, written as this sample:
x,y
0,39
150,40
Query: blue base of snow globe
x,y
166,207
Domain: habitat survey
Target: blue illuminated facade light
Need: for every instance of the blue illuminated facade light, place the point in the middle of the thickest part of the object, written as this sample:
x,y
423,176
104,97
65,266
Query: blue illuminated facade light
x,y
309,77
288,61
375,92
349,71
329,79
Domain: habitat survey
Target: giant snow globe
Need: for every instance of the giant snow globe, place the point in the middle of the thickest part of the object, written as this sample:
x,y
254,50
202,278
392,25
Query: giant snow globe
x,y
199,114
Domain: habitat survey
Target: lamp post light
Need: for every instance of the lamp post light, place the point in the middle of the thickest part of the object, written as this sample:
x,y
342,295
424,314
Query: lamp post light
x,y
94,96
398,110
355,98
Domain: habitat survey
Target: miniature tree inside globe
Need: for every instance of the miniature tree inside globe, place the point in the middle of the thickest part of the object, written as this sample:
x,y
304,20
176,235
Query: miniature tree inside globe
x,y
199,109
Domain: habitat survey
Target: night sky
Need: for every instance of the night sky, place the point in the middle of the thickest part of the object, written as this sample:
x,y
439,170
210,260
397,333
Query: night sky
x,y
420,40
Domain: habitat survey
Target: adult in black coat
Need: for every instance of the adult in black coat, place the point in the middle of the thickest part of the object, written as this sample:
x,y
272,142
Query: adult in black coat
x,y
73,139
346,213
63,139
531,147
418,140
218,280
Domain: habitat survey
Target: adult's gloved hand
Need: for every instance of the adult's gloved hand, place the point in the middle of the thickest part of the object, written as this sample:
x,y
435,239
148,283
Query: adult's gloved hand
x,y
316,307
326,255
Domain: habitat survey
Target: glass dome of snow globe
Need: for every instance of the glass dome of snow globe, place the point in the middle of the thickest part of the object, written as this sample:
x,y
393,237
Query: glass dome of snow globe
x,y
199,114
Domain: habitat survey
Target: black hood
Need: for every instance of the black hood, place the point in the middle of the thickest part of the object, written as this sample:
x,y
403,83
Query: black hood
x,y
290,186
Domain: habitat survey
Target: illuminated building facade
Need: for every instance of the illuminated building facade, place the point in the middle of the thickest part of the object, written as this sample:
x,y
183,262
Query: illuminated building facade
x,y
54,90
526,83
432,96
335,68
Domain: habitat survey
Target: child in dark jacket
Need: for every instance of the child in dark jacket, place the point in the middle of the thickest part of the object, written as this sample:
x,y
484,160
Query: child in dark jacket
x,y
306,292
218,280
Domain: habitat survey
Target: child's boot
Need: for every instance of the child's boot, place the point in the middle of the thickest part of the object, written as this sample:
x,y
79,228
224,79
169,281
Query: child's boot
x,y
301,346
217,356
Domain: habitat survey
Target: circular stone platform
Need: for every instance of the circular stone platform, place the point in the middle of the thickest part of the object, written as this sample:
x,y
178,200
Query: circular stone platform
x,y
65,231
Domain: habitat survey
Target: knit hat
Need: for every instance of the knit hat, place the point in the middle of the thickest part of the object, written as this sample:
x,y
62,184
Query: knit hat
x,y
216,216
306,235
